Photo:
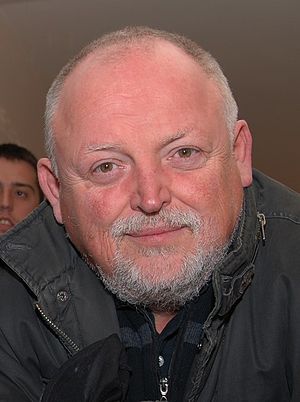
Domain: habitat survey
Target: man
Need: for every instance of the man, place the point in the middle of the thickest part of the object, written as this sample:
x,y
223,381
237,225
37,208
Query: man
x,y
150,184
19,189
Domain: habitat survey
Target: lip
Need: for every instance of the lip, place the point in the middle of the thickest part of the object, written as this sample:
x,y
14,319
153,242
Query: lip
x,y
5,224
154,232
156,236
4,220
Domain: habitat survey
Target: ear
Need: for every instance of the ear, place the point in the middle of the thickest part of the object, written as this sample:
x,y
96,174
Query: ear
x,y
242,149
50,185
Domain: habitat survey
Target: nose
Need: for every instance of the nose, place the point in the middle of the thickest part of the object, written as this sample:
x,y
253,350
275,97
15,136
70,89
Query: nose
x,y
151,191
6,200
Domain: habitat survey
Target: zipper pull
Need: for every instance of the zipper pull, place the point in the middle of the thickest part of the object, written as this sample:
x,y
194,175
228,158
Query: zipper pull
x,y
163,387
262,221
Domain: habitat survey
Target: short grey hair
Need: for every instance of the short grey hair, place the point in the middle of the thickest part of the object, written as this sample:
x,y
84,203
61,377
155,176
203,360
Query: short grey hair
x,y
122,40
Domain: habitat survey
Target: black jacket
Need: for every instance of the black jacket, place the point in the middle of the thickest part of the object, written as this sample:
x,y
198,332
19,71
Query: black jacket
x,y
52,306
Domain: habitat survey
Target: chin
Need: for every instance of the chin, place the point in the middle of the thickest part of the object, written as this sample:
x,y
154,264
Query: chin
x,y
161,282
157,265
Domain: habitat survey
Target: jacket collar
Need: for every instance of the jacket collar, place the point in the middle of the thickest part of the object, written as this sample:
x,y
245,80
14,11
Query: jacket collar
x,y
236,272
36,251
65,291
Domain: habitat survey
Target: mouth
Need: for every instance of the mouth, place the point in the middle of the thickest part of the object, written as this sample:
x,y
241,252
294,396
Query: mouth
x,y
156,236
154,231
5,224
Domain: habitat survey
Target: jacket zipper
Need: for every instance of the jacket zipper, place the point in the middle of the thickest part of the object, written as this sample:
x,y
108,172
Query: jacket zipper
x,y
66,340
262,222
163,388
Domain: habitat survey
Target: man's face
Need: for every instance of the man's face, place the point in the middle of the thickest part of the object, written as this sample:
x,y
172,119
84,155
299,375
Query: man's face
x,y
147,173
19,193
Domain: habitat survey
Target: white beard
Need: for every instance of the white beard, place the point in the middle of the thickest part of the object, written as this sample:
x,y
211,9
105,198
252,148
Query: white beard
x,y
128,282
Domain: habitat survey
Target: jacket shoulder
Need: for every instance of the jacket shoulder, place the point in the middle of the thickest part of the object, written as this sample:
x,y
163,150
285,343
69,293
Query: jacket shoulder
x,y
274,199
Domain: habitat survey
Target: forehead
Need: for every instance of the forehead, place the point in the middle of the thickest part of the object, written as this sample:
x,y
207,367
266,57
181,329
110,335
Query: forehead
x,y
133,68
16,171
146,82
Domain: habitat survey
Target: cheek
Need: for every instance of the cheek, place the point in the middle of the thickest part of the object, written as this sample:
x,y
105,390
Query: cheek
x,y
88,215
216,196
22,209
103,207
198,192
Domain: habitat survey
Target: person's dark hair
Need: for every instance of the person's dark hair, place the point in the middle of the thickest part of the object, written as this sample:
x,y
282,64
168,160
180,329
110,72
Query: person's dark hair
x,y
16,152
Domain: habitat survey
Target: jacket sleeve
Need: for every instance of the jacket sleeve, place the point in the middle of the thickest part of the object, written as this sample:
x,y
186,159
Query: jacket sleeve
x,y
293,334
35,367
98,373
16,383
23,345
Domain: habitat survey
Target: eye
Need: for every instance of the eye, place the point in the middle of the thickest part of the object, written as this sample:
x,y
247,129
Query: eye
x,y
185,152
107,172
187,158
104,167
21,194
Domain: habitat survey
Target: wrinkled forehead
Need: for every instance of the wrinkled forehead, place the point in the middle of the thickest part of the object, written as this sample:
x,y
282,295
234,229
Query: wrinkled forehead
x,y
123,75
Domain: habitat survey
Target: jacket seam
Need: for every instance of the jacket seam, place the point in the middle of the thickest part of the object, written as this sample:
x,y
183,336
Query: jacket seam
x,y
292,219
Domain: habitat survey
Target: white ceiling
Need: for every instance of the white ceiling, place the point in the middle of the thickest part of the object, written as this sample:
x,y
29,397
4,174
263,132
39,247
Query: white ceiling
x,y
257,42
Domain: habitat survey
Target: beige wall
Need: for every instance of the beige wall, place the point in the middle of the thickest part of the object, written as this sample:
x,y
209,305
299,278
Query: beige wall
x,y
257,42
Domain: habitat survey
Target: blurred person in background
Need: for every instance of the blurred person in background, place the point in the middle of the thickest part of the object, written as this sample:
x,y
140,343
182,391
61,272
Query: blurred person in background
x,y
19,189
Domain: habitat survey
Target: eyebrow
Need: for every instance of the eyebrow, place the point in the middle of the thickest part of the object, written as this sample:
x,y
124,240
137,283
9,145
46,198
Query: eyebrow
x,y
180,134
103,147
19,184
117,147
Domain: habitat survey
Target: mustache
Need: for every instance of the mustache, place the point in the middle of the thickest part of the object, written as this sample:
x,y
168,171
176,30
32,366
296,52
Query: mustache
x,y
164,219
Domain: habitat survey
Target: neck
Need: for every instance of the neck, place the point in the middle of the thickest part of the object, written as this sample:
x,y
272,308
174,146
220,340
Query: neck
x,y
162,319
